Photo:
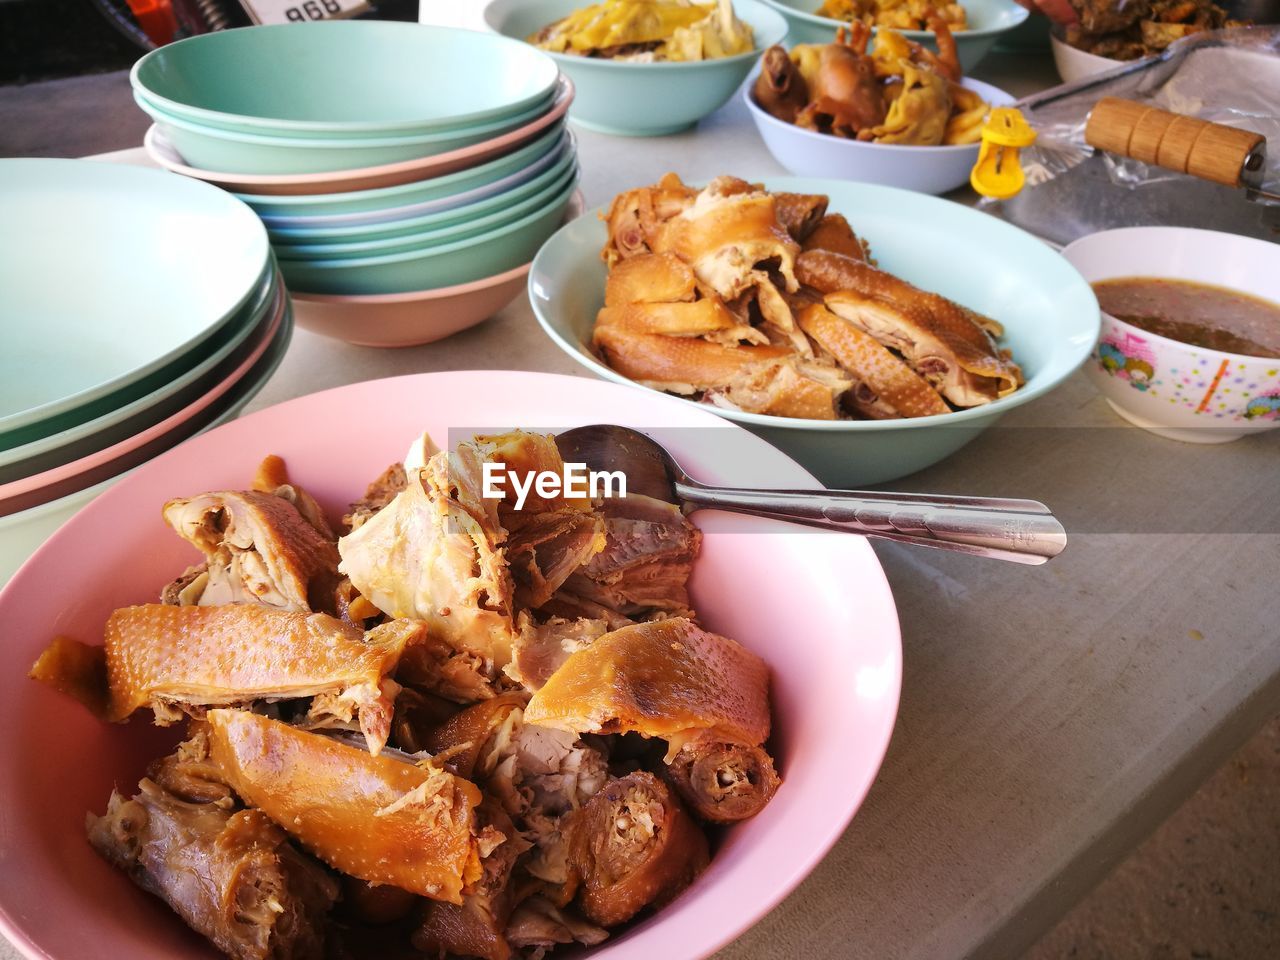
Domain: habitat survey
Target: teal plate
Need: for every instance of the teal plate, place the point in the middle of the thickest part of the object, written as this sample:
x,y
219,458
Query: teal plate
x,y
234,152
550,186
110,273
1049,312
325,206
483,256
642,99
215,360
344,78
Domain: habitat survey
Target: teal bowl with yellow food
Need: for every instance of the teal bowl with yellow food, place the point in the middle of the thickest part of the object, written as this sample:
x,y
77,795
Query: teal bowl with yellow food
x,y
987,21
635,95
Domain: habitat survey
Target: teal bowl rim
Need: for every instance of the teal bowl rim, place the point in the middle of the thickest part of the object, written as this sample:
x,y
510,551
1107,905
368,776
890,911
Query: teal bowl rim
x,y
1020,12
489,237
319,126
592,63
971,415
379,193
497,127
566,172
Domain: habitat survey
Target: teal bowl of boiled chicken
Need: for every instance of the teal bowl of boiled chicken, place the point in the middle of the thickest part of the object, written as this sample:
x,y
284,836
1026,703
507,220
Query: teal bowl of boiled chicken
x,y
633,99
1049,314
989,21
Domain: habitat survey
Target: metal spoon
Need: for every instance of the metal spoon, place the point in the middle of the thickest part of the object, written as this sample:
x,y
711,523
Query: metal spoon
x,y
1023,531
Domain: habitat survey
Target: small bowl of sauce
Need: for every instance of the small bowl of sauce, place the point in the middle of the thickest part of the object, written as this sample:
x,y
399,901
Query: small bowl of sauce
x,y
1190,340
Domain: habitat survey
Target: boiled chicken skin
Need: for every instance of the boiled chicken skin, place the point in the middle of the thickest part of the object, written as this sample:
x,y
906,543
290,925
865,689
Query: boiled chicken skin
x,y
378,819
176,659
661,679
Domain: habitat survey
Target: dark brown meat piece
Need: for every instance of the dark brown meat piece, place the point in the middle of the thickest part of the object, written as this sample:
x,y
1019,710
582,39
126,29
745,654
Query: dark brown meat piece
x,y
723,782
476,927
780,89
232,876
634,846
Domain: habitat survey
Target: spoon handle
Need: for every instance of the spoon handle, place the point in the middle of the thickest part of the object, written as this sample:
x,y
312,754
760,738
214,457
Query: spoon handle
x,y
1025,533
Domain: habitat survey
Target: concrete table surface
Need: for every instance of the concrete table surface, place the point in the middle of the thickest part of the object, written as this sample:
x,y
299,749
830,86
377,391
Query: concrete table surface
x,y
1050,716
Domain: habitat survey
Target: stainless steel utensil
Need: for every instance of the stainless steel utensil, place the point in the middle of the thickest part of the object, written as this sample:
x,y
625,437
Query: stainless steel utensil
x,y
1023,531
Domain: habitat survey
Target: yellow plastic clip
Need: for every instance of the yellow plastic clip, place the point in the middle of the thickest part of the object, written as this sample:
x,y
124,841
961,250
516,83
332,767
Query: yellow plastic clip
x,y
998,172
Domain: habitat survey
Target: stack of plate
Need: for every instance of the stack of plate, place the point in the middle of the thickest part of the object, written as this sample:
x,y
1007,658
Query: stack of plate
x,y
139,309
406,174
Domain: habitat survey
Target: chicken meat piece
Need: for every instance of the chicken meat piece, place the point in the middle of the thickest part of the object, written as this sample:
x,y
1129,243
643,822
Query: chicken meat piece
x,y
636,215
643,570
634,846
273,478
650,278
780,89
722,782
379,819
949,345
544,549
885,387
538,926
541,648
182,660
668,678
726,235
233,876
919,112
477,926
376,496
258,549
434,553
834,234
844,91
76,670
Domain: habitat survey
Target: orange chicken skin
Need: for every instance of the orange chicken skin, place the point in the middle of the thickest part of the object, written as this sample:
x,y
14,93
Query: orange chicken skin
x,y
669,678
182,658
886,387
258,549
949,345
378,819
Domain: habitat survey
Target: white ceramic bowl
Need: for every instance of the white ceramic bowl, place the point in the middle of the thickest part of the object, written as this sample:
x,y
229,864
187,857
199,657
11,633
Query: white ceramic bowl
x,y
1170,388
807,153
1076,64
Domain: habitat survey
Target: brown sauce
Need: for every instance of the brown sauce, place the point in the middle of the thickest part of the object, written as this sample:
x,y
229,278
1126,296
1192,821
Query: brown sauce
x,y
1216,318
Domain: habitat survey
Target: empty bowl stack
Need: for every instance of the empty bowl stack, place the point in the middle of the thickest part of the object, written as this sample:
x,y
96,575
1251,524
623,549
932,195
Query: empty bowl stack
x,y
139,309
406,174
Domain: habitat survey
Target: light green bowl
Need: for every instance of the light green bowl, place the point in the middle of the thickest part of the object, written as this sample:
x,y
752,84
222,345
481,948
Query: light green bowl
x,y
1049,312
362,203
989,20
108,274
641,99
230,151
423,239
455,263
338,78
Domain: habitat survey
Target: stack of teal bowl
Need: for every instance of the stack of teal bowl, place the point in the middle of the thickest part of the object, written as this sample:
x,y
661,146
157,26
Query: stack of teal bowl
x,y
406,174
138,310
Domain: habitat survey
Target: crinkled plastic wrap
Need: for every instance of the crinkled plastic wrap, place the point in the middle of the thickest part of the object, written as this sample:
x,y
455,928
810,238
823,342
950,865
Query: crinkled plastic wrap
x,y
1227,76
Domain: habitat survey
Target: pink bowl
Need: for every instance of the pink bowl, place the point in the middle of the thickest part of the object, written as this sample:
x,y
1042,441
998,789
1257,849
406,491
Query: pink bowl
x,y
816,606
69,477
364,178
411,319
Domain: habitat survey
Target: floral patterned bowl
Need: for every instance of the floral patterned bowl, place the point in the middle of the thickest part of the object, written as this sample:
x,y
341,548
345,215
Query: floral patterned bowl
x,y
1171,388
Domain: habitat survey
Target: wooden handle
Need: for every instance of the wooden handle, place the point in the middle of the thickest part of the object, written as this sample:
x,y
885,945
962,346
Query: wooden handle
x,y
1207,150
